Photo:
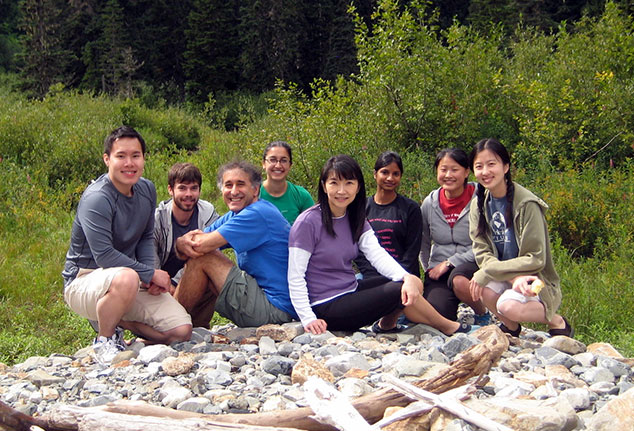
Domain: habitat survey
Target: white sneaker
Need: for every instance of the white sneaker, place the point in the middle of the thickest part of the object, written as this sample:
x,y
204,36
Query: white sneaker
x,y
106,348
118,331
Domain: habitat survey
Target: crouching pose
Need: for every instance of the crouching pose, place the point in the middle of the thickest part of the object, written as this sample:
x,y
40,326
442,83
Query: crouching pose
x,y
109,275
322,244
511,247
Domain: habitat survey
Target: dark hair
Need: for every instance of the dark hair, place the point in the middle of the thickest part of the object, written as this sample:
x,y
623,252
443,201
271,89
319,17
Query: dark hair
x,y
457,155
254,173
184,173
122,132
498,149
279,144
344,167
386,158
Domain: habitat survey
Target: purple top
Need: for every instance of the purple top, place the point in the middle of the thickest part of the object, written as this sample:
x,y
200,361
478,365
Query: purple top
x,y
329,271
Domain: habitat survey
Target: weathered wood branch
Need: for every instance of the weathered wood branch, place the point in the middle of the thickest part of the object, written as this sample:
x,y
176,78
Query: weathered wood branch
x,y
11,419
446,403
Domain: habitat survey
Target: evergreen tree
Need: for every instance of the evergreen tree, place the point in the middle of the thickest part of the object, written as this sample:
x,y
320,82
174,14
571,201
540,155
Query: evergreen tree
x,y
9,45
160,43
110,61
328,49
272,32
44,57
211,59
484,13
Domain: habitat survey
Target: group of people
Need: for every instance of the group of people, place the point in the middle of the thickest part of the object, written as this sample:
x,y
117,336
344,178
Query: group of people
x,y
341,264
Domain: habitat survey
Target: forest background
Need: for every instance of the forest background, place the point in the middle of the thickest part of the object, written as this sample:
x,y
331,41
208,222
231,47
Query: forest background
x,y
207,81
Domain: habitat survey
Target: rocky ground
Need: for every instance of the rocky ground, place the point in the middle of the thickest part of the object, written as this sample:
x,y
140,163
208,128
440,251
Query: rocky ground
x,y
540,383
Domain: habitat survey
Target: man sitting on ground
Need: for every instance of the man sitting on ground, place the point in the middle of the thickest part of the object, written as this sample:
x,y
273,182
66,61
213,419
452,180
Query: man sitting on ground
x,y
109,275
256,291
184,212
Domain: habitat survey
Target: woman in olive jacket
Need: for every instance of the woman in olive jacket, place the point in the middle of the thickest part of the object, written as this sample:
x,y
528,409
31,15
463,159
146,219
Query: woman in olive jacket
x,y
511,247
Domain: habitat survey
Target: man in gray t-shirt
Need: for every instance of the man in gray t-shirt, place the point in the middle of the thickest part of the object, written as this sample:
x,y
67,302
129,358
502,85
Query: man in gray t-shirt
x,y
109,275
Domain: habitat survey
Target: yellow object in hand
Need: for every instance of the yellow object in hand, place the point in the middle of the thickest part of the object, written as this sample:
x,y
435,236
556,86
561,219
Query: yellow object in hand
x,y
537,286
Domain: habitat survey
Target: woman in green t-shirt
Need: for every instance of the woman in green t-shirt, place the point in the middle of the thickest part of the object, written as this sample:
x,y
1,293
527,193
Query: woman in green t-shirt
x,y
289,198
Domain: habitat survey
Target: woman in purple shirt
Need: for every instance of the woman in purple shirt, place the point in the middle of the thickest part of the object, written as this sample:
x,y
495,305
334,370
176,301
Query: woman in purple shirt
x,y
323,242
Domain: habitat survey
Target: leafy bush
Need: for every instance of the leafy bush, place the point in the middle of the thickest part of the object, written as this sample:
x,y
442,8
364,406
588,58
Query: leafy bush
x,y
590,213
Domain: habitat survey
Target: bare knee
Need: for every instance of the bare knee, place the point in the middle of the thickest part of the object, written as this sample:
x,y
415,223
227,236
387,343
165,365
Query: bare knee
x,y
461,284
507,308
180,333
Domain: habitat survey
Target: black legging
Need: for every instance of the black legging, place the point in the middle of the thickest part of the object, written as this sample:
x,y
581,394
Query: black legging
x,y
439,293
374,298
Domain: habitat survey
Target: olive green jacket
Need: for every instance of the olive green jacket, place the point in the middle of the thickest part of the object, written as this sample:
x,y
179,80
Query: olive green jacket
x,y
534,257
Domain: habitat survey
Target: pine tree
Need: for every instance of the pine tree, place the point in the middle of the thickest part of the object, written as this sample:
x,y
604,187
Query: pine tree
x,y
272,32
110,60
44,57
8,33
160,43
211,59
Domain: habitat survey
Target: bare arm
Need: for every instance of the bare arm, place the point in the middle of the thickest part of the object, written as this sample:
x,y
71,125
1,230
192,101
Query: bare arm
x,y
195,243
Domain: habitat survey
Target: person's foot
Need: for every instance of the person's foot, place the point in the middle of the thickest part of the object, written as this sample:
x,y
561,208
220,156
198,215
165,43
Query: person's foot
x,y
566,331
465,328
376,328
512,332
118,331
482,319
106,348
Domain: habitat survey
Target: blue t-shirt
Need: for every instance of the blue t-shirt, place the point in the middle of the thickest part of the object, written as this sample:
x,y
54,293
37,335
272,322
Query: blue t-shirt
x,y
503,236
259,236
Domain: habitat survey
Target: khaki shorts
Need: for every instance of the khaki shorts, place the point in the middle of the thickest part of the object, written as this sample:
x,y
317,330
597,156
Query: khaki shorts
x,y
161,312
243,302
506,292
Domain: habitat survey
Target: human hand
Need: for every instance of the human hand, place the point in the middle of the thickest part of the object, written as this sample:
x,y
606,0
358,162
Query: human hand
x,y
316,327
522,284
155,289
437,271
160,282
186,245
411,290
475,289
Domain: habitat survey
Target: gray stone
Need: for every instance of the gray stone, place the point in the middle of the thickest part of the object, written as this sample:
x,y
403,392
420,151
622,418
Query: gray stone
x,y
196,404
550,356
42,378
339,365
579,398
597,374
586,359
617,368
277,365
565,344
156,353
217,377
175,396
604,388
267,346
422,329
303,339
458,343
433,354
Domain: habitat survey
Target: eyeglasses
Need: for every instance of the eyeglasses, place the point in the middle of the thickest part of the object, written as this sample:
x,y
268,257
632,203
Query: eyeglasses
x,y
274,161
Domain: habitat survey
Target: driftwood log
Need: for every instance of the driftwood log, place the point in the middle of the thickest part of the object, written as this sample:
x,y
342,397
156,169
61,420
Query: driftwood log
x,y
473,362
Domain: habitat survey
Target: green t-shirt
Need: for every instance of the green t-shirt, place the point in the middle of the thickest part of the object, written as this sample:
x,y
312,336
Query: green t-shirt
x,y
295,200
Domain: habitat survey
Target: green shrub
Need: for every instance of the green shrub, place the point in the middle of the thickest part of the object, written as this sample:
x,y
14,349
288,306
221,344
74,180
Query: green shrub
x,y
590,213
